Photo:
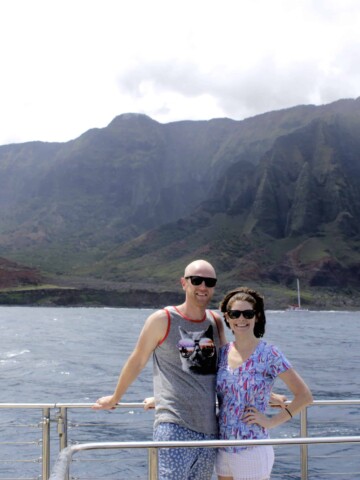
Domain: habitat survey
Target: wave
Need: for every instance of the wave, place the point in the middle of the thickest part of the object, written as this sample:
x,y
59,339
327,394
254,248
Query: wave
x,y
10,356
16,354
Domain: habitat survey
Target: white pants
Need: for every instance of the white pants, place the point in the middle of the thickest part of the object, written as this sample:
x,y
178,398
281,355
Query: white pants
x,y
254,463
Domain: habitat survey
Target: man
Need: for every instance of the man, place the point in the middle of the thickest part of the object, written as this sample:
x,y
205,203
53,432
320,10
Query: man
x,y
184,341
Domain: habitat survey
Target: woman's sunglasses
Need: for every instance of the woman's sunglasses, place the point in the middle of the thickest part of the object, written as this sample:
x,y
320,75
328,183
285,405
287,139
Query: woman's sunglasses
x,y
248,314
196,280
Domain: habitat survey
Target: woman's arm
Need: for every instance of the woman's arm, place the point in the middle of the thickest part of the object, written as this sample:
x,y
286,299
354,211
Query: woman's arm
x,y
302,398
277,400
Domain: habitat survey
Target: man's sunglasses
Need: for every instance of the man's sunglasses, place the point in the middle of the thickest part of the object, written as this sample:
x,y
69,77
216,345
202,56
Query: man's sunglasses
x,y
196,280
248,314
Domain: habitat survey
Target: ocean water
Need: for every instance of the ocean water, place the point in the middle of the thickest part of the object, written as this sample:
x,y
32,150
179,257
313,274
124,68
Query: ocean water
x,y
74,355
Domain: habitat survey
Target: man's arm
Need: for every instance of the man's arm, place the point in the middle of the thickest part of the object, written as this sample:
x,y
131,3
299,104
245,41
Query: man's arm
x,y
153,332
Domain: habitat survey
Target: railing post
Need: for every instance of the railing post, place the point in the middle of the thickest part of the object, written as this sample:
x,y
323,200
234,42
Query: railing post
x,y
62,432
153,463
46,444
304,448
62,428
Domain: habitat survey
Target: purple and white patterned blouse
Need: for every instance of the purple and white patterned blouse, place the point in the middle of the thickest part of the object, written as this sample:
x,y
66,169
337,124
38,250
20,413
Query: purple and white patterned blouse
x,y
249,384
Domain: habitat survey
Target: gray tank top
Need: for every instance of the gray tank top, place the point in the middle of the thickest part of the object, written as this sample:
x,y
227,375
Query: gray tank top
x,y
184,367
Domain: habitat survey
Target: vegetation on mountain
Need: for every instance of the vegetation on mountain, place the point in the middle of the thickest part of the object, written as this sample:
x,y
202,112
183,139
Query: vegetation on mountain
x,y
267,199
13,275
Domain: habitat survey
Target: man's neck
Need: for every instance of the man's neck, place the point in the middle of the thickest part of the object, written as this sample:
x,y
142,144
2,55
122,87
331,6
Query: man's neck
x,y
194,312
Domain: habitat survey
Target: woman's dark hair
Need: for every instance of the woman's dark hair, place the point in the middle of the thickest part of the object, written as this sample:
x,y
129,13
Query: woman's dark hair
x,y
247,295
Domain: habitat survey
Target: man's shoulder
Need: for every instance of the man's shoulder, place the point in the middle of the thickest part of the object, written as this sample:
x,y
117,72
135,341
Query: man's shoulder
x,y
214,315
219,324
161,314
156,325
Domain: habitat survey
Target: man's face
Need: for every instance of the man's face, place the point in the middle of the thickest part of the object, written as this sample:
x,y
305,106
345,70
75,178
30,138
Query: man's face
x,y
199,287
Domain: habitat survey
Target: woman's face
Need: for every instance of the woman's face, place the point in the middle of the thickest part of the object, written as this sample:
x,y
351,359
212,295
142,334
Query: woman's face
x,y
241,317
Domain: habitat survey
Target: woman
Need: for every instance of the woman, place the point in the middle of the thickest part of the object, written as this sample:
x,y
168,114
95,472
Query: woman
x,y
247,369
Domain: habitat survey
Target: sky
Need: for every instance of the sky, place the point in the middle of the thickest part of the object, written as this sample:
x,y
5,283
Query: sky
x,y
71,65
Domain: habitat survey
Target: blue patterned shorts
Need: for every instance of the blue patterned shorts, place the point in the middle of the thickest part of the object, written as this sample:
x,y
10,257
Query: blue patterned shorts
x,y
184,463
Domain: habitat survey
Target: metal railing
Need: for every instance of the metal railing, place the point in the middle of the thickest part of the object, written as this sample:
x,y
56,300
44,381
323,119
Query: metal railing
x,y
61,469
57,413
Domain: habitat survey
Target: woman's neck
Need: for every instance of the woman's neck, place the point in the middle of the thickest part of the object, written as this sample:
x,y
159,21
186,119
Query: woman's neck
x,y
246,344
241,351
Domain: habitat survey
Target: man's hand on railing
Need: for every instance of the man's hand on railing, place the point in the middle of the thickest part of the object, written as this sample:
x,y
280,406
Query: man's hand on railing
x,y
105,403
149,403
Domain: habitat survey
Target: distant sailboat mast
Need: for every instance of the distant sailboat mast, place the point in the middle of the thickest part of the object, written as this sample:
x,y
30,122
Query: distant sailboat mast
x,y
297,308
298,292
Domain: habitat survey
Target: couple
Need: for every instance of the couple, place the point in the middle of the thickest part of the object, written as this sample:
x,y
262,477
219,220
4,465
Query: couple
x,y
189,367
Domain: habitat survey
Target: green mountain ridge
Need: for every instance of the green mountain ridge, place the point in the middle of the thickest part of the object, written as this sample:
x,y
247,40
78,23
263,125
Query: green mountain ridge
x,y
267,199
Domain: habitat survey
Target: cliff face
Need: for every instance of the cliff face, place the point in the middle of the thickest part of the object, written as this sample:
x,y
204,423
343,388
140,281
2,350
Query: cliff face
x,y
305,202
308,181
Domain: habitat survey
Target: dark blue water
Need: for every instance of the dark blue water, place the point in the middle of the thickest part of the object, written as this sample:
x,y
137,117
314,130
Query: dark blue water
x,y
70,355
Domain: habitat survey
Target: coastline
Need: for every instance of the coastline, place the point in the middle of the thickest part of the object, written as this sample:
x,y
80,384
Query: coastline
x,y
128,296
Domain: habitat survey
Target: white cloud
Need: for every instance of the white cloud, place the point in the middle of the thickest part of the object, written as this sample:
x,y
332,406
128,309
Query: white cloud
x,y
71,65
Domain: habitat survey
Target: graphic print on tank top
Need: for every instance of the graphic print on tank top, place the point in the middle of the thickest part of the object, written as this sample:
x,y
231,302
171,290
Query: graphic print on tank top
x,y
197,351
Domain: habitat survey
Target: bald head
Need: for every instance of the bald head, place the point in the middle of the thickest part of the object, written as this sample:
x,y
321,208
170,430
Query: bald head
x,y
201,268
